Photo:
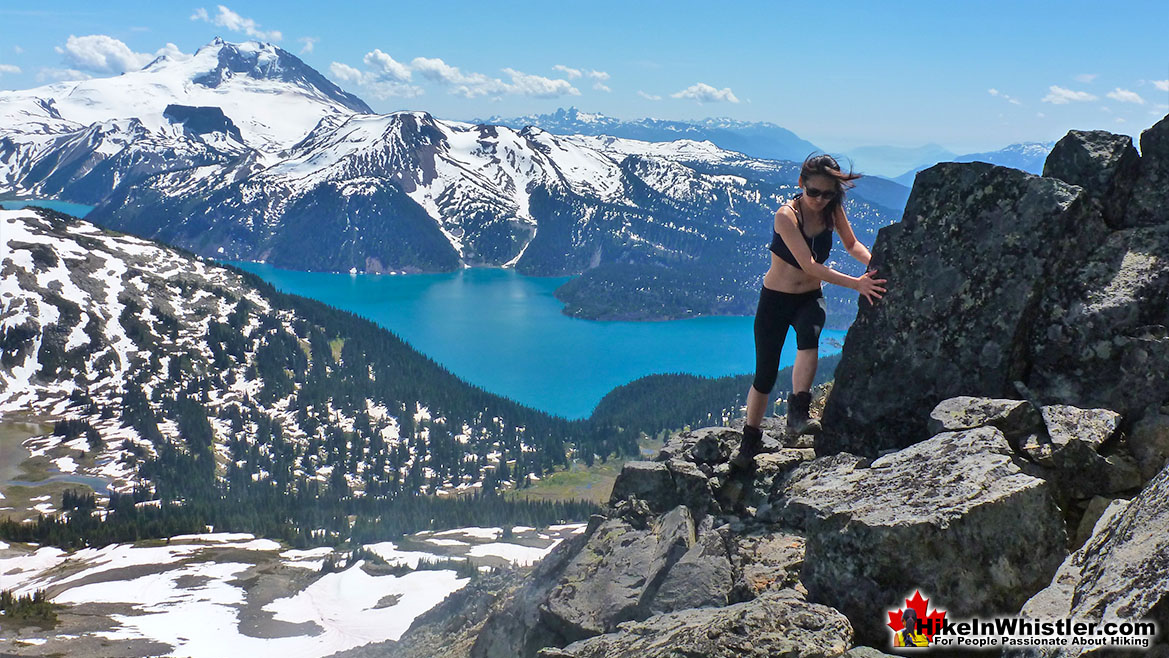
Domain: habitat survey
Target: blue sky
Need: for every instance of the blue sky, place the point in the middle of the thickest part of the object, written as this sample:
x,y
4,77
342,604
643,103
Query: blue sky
x,y
970,76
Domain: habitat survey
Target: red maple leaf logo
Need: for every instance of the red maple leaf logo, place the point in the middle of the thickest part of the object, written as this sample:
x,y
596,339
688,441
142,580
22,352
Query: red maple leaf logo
x,y
931,622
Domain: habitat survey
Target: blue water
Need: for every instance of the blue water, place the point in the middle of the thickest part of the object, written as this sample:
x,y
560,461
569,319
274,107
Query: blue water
x,y
504,332
99,485
75,209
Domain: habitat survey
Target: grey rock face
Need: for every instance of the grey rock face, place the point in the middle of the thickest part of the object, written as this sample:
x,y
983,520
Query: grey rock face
x,y
1100,338
514,628
1149,205
1122,572
713,446
648,481
702,578
615,576
966,269
772,625
1106,165
1149,442
954,516
1070,451
1015,418
769,561
663,485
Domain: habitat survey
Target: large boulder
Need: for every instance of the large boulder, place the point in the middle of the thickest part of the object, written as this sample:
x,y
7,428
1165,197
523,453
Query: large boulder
x,y
702,578
1071,452
1100,337
1121,573
1015,418
1149,441
954,516
514,628
1105,164
663,485
771,625
616,575
967,268
1149,205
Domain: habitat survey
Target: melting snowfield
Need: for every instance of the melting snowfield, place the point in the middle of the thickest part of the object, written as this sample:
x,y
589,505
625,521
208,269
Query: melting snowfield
x,y
215,595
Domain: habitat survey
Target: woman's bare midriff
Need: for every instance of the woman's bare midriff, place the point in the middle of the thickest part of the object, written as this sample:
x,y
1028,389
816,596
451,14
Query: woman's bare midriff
x,y
785,277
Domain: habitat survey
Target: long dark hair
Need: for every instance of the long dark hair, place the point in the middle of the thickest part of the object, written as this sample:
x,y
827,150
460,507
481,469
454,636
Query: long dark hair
x,y
822,164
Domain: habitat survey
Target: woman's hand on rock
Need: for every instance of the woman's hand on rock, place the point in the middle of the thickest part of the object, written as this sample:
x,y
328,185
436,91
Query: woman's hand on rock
x,y
870,287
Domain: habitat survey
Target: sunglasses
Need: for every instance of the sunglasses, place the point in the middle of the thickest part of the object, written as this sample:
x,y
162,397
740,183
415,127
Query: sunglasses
x,y
816,194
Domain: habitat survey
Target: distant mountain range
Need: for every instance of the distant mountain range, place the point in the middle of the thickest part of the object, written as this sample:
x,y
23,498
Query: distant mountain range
x,y
1026,156
756,139
891,161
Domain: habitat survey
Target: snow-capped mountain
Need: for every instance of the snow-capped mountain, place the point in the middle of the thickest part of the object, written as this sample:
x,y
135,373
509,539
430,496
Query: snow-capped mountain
x,y
408,192
271,95
757,139
1027,156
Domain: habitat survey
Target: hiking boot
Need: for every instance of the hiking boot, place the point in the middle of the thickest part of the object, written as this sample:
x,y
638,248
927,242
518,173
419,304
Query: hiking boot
x,y
799,420
751,445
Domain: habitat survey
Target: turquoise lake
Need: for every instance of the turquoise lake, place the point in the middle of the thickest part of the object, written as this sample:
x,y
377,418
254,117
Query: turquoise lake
x,y
504,332
75,209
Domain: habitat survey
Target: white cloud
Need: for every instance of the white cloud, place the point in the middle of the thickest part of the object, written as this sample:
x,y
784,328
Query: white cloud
x,y
386,68
598,75
1125,96
1086,77
100,53
572,74
309,43
704,93
388,77
391,89
539,86
379,84
1060,96
995,92
649,97
236,23
1163,85
346,73
17,49
9,68
600,86
48,73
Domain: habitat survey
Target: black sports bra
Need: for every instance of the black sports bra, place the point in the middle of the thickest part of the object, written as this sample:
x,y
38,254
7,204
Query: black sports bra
x,y
820,244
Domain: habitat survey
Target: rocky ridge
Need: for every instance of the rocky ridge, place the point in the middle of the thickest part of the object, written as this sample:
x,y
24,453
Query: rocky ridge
x,y
1024,473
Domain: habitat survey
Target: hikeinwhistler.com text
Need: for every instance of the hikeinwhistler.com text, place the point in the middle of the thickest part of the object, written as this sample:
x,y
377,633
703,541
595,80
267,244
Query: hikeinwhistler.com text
x,y
1024,632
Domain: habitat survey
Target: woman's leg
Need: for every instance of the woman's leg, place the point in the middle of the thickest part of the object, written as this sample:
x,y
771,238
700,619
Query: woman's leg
x,y
804,369
756,406
808,322
772,319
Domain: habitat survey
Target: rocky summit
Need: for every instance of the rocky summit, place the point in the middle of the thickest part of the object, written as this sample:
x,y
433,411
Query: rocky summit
x,y
996,439
1006,285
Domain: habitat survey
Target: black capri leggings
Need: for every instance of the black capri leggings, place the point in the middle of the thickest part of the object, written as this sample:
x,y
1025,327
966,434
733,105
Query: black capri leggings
x,y
806,311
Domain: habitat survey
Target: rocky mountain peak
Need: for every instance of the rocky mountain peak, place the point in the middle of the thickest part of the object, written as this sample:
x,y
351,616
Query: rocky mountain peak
x,y
264,61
